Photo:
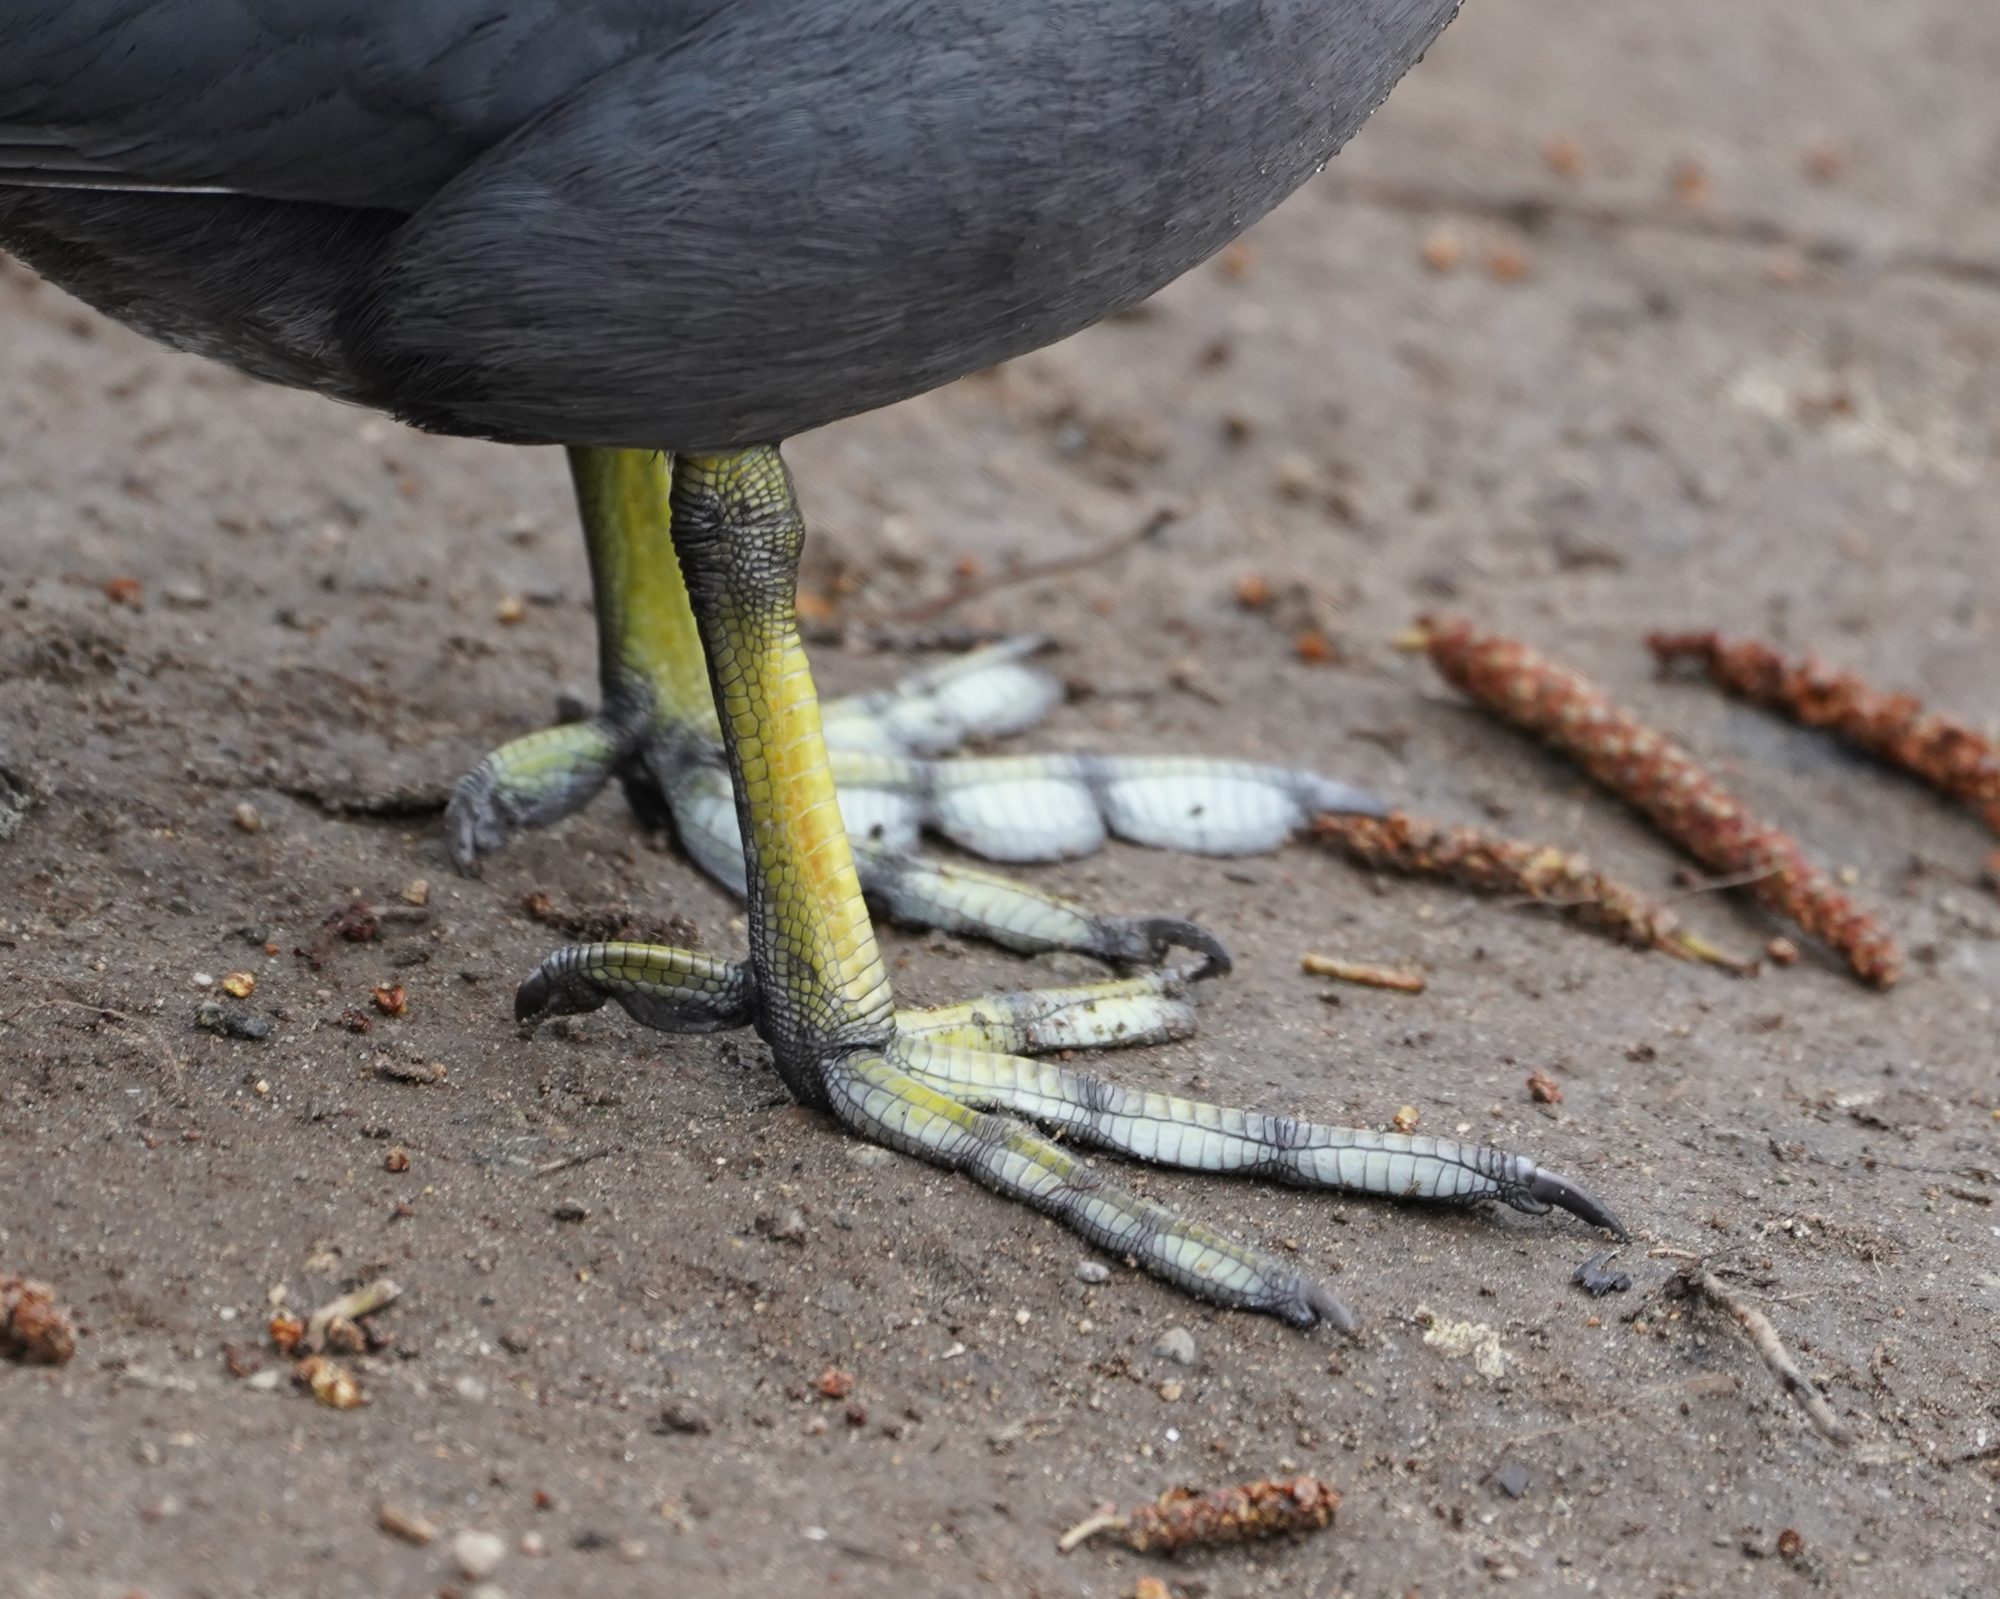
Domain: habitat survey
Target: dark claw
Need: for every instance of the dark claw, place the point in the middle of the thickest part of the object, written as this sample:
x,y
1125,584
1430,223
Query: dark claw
x,y
1548,1189
1163,933
531,999
1317,1305
552,990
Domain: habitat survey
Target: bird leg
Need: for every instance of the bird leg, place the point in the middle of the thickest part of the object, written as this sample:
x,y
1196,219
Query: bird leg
x,y
939,1084
649,665
657,732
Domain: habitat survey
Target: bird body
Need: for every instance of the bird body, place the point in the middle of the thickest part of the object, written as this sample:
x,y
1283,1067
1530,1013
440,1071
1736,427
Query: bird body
x,y
678,224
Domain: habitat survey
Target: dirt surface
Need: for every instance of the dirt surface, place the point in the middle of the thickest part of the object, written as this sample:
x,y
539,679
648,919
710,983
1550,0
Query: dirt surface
x,y
1724,354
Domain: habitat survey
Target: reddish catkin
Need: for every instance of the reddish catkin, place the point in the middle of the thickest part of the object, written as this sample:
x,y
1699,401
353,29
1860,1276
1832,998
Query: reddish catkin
x,y
1895,729
1489,864
1183,1518
1662,781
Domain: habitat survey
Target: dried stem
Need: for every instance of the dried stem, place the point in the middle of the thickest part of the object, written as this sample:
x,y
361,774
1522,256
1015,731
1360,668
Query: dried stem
x,y
1404,979
1489,864
1663,782
1702,1284
1957,761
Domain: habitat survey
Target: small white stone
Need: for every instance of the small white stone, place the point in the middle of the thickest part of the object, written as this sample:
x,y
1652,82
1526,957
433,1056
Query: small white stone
x,y
1092,1271
1176,1344
477,1554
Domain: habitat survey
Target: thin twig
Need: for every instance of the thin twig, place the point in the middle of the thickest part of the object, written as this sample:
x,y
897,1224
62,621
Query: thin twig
x,y
1404,979
973,588
568,1162
1764,1337
1531,212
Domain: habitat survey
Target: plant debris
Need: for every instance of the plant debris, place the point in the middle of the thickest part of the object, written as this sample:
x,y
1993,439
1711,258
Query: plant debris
x,y
34,1329
1184,1518
1489,864
407,1525
1956,760
1662,781
333,1385
1404,979
613,923
349,1308
1699,1283
422,1072
356,922
1544,1089
1595,1278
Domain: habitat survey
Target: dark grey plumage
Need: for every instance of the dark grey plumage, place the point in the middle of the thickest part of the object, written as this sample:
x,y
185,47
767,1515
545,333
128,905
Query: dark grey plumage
x,y
680,224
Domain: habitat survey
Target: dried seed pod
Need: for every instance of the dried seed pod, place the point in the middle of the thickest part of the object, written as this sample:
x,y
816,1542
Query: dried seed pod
x,y
1954,759
1183,1518
1489,864
33,1327
1661,780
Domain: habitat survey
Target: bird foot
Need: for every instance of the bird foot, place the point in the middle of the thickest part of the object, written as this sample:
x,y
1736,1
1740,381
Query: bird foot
x,y
966,1086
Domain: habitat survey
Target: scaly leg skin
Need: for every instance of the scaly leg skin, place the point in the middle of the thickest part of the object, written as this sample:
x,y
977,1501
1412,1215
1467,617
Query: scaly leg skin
x,y
939,1084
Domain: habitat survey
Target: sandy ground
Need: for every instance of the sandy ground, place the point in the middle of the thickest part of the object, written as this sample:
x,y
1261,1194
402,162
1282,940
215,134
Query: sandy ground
x,y
1727,357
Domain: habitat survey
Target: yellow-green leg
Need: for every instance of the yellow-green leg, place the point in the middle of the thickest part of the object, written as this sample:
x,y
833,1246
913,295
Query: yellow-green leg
x,y
650,669
936,1084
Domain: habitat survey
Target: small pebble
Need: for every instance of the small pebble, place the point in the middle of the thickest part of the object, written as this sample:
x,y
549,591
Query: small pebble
x,y
534,1545
788,1227
1092,1271
631,1550
1442,248
228,1022
681,1417
477,1554
1176,1344
248,817
1512,1479
869,1154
